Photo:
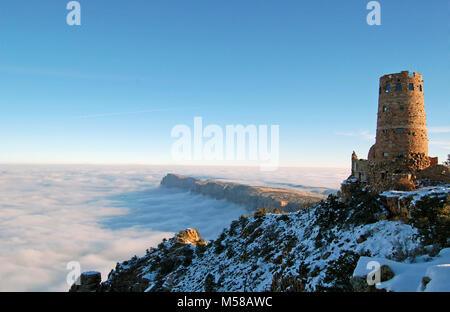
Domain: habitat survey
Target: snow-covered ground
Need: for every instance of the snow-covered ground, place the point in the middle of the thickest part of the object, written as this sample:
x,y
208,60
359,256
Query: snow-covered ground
x,y
408,276
253,253
441,191
384,239
98,215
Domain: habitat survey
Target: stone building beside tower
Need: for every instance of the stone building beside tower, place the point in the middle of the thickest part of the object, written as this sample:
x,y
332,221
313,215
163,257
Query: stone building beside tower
x,y
400,152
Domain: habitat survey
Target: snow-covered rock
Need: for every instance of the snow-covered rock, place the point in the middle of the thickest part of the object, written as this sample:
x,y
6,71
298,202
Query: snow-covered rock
x,y
424,274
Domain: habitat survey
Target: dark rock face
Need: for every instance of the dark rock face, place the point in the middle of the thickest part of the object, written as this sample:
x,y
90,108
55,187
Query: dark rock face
x,y
386,273
88,282
425,281
252,197
360,284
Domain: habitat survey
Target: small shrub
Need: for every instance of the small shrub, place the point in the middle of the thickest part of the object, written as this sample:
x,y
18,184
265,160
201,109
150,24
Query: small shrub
x,y
200,250
210,283
261,212
431,216
339,272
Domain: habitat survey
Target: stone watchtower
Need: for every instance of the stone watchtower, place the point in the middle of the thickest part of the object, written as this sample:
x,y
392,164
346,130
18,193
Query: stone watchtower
x,y
401,147
401,124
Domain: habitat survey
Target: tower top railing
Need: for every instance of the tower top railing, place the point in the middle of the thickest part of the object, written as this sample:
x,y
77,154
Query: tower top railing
x,y
402,76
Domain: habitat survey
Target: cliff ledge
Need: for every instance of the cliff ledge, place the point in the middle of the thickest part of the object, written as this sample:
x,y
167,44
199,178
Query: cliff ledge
x,y
252,197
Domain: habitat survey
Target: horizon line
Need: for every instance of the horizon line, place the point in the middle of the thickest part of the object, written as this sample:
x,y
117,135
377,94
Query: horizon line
x,y
161,165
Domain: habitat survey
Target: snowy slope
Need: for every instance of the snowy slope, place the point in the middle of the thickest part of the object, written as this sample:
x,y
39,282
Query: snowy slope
x,y
318,249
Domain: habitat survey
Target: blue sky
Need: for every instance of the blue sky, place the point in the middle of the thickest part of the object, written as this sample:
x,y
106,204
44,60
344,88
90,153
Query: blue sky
x,y
110,90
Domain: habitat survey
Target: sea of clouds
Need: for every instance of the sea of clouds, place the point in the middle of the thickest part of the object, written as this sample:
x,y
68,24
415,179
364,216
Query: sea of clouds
x,y
100,215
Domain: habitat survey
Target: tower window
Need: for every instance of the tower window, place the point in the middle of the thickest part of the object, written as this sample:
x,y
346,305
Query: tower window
x,y
420,88
387,89
398,87
400,130
411,86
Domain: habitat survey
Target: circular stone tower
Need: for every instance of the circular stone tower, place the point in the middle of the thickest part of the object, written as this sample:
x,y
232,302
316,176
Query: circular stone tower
x,y
401,124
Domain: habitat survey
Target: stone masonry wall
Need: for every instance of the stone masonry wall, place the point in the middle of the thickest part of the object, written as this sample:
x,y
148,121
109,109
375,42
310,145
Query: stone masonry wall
x,y
401,124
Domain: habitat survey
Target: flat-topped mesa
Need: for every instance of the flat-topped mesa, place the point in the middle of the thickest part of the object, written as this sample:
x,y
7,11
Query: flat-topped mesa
x,y
252,197
179,181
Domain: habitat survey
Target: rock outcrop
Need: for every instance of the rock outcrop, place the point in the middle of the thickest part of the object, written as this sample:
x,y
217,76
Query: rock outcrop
x,y
88,282
152,272
433,175
190,236
399,205
252,197
402,205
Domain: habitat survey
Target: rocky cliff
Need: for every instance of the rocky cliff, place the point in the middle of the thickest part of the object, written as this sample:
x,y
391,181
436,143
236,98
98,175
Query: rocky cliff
x,y
327,247
252,197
